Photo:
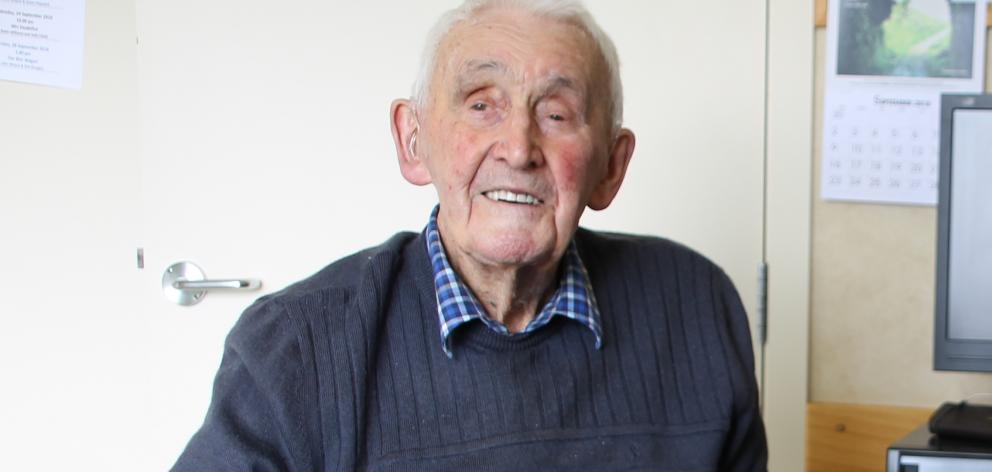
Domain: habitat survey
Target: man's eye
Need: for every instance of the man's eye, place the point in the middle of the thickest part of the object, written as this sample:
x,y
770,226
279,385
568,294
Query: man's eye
x,y
479,106
556,117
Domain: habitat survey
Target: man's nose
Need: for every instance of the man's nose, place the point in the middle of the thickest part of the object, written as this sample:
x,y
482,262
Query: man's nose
x,y
520,142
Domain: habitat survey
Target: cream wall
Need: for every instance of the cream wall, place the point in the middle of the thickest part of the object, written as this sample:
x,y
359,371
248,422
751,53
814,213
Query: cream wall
x,y
872,297
71,397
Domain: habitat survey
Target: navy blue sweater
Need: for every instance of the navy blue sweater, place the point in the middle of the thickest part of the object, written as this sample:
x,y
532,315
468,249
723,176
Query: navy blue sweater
x,y
345,371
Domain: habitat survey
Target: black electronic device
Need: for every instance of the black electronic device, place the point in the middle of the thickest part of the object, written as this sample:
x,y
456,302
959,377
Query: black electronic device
x,y
922,451
963,421
963,334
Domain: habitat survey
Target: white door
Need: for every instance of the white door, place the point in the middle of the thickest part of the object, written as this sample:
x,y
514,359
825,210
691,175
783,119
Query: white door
x,y
266,152
262,150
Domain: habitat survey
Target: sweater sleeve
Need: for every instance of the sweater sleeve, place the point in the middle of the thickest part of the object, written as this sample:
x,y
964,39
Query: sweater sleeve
x,y
746,448
259,417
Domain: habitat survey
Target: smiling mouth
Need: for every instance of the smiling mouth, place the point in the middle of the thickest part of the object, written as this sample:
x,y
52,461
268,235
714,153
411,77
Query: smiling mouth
x,y
512,197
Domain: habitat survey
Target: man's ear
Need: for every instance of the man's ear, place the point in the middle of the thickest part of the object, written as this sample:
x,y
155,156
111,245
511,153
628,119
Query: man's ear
x,y
621,151
403,120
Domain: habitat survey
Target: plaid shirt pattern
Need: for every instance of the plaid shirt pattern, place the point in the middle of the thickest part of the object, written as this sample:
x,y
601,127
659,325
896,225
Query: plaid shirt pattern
x,y
456,305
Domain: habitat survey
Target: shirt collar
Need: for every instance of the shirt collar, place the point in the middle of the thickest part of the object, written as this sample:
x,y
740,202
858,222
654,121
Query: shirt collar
x,y
456,305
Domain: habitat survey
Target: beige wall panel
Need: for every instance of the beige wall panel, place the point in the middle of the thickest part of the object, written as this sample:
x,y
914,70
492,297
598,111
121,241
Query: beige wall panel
x,y
988,56
872,300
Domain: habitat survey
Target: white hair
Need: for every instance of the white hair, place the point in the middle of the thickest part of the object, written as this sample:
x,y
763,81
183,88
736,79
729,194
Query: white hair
x,y
572,11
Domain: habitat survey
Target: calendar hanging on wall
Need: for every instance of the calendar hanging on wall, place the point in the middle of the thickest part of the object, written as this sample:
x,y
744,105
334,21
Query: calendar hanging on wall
x,y
888,62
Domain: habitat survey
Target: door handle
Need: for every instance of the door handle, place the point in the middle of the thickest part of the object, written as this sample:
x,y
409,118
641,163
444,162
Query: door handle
x,y
230,284
184,283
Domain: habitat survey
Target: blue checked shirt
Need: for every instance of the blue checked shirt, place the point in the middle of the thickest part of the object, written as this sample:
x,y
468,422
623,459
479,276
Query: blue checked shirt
x,y
456,305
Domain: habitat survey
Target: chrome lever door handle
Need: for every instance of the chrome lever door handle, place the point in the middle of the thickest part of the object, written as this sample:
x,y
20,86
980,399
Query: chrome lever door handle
x,y
185,283
228,284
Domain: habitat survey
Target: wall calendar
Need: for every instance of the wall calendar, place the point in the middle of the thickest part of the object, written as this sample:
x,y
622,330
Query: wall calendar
x,y
888,62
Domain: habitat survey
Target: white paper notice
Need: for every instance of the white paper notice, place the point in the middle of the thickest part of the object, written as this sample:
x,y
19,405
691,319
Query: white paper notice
x,y
887,65
41,42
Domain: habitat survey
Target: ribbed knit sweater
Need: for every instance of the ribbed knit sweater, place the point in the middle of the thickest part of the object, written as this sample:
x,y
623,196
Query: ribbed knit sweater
x,y
345,371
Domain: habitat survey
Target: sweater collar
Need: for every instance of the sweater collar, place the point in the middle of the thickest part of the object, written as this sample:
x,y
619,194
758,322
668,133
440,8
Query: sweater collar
x,y
457,305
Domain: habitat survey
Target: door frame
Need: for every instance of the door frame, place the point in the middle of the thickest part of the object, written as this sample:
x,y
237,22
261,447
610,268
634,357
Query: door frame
x,y
788,201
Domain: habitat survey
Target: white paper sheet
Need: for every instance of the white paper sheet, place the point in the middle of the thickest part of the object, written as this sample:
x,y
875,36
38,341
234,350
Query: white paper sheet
x,y
887,65
41,42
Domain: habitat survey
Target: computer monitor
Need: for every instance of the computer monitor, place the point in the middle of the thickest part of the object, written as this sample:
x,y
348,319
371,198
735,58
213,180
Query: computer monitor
x,y
963,334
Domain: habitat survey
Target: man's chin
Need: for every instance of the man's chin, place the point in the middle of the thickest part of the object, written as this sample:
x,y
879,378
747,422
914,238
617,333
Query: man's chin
x,y
514,249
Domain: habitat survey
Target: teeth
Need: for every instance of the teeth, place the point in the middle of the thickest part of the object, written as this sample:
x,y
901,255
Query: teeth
x,y
508,196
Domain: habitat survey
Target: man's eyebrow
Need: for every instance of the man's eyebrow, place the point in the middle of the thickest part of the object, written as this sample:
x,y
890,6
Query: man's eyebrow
x,y
477,65
559,82
474,70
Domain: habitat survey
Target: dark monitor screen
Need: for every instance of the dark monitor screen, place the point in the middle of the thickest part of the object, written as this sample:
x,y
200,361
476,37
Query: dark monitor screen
x,y
963,334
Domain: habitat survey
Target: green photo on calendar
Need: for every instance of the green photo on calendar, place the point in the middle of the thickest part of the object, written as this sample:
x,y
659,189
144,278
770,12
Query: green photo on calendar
x,y
906,38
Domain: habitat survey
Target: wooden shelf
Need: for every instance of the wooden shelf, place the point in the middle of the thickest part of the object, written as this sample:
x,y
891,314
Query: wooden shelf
x,y
821,14
854,438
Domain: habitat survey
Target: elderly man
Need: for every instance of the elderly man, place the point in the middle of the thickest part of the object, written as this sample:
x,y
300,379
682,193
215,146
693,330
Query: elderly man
x,y
501,337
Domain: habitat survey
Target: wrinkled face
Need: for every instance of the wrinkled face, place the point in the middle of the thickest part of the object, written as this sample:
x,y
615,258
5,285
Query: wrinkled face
x,y
515,136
